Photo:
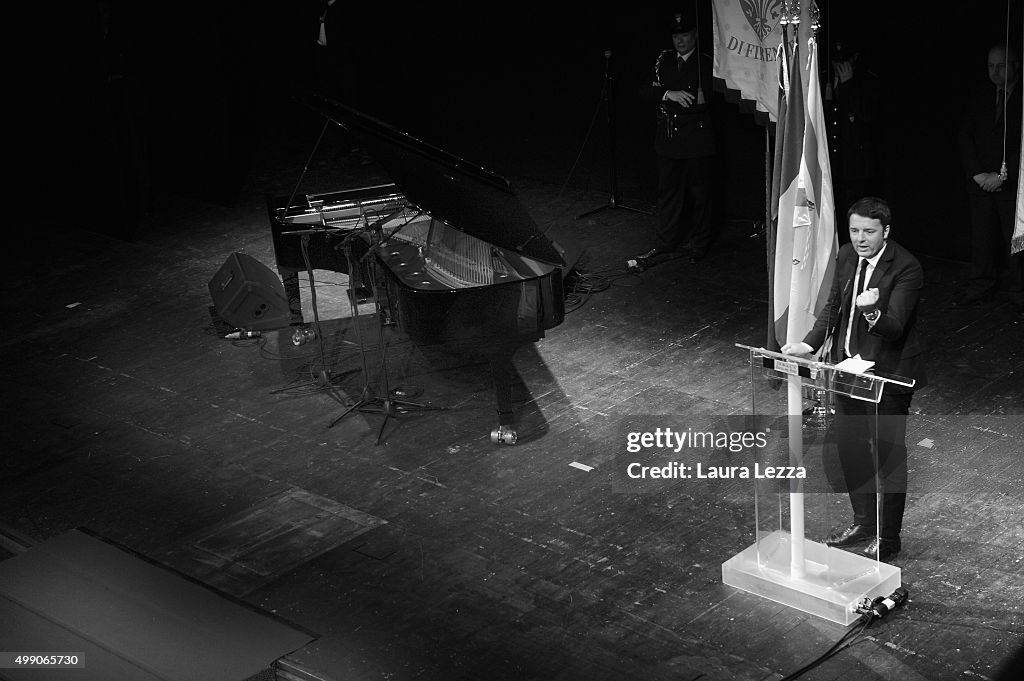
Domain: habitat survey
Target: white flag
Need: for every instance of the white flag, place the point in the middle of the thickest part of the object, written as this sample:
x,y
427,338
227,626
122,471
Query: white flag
x,y
747,36
1017,242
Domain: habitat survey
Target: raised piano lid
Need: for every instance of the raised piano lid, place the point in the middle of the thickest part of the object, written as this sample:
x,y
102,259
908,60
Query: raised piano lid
x,y
465,196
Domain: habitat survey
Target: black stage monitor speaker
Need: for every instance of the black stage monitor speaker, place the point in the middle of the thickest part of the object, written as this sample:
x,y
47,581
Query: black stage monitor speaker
x,y
571,253
247,294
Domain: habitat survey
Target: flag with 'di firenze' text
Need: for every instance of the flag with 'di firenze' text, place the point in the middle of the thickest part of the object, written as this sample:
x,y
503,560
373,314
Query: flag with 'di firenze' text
x,y
746,36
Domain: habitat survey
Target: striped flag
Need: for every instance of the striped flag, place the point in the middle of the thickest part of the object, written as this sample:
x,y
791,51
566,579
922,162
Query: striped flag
x,y
802,241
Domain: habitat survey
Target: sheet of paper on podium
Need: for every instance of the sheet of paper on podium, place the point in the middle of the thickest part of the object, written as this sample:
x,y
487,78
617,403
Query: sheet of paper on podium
x,y
854,365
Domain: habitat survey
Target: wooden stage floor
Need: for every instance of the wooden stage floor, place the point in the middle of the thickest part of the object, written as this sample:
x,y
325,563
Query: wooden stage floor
x,y
438,555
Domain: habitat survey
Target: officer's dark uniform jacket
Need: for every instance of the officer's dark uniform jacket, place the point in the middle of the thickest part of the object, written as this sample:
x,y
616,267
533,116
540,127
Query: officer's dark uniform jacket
x,y
682,132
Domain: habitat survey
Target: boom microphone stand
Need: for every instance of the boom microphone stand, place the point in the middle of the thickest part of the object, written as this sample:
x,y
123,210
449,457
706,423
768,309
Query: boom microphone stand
x,y
607,101
387,405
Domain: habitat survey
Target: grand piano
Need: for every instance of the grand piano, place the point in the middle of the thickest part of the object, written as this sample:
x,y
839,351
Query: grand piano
x,y
458,260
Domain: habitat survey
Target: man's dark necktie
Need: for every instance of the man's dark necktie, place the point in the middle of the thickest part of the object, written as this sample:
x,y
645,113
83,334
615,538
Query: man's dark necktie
x,y
854,327
1000,103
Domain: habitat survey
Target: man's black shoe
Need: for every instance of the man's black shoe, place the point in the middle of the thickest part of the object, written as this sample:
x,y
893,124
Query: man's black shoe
x,y
882,549
854,534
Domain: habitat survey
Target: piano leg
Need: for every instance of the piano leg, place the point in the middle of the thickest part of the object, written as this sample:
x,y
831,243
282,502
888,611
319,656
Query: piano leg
x,y
501,371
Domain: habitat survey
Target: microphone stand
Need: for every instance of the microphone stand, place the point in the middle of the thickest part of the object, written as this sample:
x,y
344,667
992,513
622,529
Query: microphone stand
x,y
387,405
818,415
323,380
606,100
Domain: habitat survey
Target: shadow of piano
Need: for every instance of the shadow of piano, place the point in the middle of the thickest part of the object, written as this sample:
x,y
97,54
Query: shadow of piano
x,y
447,250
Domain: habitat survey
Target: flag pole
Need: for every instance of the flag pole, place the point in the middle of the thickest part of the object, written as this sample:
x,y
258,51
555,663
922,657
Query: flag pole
x,y
794,387
811,251
794,404
794,330
797,564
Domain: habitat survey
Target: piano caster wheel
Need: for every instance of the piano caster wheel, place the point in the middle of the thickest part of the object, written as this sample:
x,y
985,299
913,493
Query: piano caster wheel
x,y
503,435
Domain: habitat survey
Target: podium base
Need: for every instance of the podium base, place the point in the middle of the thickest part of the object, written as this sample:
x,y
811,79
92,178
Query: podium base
x,y
834,583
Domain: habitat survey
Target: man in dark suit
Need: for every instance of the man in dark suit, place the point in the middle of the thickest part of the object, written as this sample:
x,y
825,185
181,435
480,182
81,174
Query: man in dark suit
x,y
684,145
871,314
990,134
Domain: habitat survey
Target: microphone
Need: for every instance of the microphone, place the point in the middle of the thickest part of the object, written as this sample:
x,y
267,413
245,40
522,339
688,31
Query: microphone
x,y
239,335
607,62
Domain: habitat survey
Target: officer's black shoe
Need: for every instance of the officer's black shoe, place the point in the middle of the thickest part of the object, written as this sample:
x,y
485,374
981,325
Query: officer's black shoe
x,y
639,263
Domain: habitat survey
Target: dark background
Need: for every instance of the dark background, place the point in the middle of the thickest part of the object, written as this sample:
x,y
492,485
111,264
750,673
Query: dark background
x,y
129,103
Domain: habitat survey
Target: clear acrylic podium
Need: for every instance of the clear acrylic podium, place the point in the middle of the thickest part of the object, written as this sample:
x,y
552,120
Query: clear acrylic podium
x,y
789,562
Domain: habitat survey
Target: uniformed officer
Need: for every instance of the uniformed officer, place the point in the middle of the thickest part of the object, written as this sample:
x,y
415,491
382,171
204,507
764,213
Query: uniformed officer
x,y
684,146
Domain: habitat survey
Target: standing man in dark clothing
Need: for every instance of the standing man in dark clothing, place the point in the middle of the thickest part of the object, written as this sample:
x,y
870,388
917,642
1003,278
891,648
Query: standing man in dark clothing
x,y
989,135
872,314
684,144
